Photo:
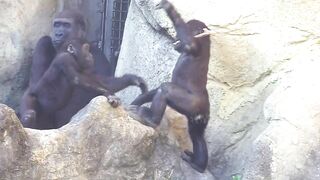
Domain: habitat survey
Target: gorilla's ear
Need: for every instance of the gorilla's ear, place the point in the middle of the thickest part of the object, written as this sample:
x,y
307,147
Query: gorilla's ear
x,y
86,48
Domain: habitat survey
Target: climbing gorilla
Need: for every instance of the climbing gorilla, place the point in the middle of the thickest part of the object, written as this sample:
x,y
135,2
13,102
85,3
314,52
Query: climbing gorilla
x,y
69,24
186,93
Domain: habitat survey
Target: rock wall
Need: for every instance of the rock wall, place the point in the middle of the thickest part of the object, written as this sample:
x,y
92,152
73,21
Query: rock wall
x,y
21,24
257,47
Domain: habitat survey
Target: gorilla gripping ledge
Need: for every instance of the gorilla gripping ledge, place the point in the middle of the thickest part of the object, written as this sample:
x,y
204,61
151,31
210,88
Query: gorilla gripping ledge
x,y
186,93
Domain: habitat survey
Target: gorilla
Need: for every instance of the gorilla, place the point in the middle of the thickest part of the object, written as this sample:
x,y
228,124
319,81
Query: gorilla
x,y
69,24
72,67
186,93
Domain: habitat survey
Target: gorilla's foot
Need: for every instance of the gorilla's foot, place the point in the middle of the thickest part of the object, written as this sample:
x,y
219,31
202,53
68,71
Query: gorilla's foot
x,y
188,156
141,114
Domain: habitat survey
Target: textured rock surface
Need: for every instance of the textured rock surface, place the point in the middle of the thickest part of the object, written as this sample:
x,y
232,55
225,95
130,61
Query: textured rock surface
x,y
289,147
100,142
256,47
21,24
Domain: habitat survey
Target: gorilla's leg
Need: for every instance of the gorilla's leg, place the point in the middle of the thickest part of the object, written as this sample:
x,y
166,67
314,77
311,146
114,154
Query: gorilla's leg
x,y
194,106
144,98
198,159
43,55
115,84
27,110
174,96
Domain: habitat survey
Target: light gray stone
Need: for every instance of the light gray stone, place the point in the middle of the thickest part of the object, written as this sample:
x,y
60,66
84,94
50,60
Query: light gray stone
x,y
291,139
100,142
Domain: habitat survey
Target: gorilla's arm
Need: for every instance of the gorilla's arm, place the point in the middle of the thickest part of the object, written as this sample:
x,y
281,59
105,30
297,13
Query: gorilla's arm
x,y
187,42
69,69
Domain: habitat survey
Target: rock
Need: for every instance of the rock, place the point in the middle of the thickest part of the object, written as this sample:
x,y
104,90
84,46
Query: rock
x,y
13,142
100,142
21,24
177,129
289,147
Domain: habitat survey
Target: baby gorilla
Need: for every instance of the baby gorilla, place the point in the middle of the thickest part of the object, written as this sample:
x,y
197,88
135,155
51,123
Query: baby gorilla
x,y
73,67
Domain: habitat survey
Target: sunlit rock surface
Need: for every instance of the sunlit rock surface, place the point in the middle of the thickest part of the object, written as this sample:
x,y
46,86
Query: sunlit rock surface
x,y
22,23
100,142
256,47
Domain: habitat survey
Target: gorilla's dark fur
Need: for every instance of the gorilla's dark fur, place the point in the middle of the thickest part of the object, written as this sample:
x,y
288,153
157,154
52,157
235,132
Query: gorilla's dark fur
x,y
186,93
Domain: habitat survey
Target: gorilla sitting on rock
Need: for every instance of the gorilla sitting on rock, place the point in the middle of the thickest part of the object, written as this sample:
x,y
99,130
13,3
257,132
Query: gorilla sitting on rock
x,y
51,98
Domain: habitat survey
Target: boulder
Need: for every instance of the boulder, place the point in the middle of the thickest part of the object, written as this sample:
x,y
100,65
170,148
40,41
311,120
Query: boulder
x,y
100,142
289,146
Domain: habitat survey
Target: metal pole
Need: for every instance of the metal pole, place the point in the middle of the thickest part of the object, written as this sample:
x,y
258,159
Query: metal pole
x,y
103,24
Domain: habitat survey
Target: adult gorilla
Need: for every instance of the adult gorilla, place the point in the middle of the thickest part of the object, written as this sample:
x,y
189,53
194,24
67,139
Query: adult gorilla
x,y
67,24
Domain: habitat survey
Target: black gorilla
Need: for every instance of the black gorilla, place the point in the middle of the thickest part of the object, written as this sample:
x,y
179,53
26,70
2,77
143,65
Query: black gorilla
x,y
186,93
69,24
70,69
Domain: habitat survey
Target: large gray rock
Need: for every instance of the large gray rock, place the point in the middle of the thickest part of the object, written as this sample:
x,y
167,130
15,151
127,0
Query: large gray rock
x,y
256,46
144,50
100,142
289,147
22,23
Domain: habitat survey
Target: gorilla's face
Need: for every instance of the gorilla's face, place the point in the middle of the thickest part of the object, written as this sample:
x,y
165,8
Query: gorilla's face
x,y
196,27
63,28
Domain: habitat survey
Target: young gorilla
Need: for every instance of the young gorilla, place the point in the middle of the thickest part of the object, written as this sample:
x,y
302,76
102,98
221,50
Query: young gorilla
x,y
72,67
186,93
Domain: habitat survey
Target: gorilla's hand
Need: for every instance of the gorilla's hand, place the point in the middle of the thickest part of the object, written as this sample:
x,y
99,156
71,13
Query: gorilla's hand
x,y
113,100
164,4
